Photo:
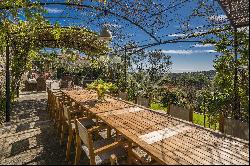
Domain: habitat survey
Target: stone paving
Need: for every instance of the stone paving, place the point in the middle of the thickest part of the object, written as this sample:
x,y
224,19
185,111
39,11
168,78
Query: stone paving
x,y
30,138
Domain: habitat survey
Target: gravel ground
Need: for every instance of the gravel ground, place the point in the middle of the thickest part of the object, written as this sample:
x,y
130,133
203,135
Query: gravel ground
x,y
31,138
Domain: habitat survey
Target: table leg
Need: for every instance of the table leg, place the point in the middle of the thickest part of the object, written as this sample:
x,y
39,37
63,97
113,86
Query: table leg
x,y
130,155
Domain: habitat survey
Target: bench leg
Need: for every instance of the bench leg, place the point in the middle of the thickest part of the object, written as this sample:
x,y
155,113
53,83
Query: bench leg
x,y
78,150
62,133
59,125
130,155
108,132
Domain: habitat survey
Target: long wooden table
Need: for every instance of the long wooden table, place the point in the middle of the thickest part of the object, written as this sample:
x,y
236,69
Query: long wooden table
x,y
168,140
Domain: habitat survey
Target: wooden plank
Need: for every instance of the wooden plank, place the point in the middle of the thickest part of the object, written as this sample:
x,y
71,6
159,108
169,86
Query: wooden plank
x,y
179,154
206,133
221,151
225,142
190,151
167,150
206,149
124,111
160,135
144,126
198,134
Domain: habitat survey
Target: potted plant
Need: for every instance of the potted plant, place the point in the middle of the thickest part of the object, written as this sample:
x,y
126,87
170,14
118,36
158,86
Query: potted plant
x,y
101,88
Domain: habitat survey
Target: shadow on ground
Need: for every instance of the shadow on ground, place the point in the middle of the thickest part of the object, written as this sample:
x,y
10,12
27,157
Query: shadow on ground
x,y
32,138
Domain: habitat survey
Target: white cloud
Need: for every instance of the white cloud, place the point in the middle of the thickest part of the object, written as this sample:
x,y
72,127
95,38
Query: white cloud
x,y
203,45
188,34
209,51
53,10
177,35
177,51
219,18
114,25
187,52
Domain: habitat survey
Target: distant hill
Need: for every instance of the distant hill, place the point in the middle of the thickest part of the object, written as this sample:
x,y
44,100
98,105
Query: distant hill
x,y
209,74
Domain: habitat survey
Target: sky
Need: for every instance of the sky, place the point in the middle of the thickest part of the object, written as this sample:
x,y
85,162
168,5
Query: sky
x,y
186,57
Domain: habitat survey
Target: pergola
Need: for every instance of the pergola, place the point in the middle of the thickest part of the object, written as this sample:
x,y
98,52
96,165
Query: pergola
x,y
237,12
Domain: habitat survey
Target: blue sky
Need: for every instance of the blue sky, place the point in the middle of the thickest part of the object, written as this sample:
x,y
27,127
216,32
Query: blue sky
x,y
186,57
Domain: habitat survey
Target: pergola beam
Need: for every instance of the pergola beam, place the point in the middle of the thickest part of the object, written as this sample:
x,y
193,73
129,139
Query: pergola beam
x,y
237,12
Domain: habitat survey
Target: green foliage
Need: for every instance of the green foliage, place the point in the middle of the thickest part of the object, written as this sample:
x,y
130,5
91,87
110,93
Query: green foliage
x,y
145,80
222,96
169,97
27,31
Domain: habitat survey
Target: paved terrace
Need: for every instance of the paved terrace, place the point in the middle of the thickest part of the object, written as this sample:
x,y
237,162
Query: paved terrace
x,y
30,138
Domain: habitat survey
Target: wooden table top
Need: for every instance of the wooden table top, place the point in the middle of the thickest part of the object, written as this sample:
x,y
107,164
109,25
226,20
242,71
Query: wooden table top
x,y
88,99
173,141
168,140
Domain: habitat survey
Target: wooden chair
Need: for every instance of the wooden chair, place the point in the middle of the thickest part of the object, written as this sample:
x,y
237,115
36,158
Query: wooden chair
x,y
58,100
49,101
54,105
62,101
100,151
70,113
180,112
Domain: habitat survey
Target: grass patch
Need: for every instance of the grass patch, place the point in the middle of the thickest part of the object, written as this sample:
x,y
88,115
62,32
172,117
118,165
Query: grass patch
x,y
199,119
157,106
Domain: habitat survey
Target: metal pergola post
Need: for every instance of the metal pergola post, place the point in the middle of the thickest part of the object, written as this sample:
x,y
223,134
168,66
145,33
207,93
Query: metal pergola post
x,y
125,60
8,99
236,105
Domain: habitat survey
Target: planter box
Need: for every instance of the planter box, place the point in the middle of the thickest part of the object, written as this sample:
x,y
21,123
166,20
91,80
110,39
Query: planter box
x,y
123,95
181,113
142,101
236,128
